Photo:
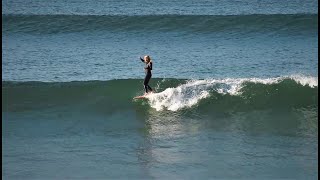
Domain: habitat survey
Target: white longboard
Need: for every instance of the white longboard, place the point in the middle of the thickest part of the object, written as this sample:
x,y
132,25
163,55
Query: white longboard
x,y
140,97
143,96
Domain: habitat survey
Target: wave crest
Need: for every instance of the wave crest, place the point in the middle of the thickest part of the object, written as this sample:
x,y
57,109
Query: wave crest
x,y
190,93
227,94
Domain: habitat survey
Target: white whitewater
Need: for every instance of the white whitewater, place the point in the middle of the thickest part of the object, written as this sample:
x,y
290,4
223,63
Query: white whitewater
x,y
190,93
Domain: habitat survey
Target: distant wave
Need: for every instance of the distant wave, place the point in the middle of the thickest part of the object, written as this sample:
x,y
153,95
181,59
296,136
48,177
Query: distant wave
x,y
236,94
190,23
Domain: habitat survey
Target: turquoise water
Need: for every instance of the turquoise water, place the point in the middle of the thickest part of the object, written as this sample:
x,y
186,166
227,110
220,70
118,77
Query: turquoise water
x,y
236,90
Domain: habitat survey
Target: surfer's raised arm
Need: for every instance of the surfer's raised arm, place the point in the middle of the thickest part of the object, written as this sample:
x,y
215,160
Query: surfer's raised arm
x,y
141,59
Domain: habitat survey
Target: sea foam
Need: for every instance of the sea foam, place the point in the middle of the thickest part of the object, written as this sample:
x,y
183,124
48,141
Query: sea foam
x,y
190,93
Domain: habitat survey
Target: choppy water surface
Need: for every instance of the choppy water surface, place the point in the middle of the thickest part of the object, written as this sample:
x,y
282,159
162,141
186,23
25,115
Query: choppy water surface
x,y
236,90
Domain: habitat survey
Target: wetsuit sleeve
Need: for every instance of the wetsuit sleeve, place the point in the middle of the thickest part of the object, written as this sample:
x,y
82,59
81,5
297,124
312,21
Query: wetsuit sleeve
x,y
141,59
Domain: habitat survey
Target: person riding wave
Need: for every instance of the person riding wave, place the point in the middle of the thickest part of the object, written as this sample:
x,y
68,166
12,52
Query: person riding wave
x,y
148,67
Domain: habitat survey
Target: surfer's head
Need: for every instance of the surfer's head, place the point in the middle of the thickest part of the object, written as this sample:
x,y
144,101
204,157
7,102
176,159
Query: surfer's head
x,y
147,59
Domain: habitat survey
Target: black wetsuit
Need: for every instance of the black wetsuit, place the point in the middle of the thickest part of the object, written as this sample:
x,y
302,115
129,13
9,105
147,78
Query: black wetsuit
x,y
147,68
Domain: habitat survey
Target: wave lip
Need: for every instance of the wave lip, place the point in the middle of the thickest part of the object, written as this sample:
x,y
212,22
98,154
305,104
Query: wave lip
x,y
305,80
190,93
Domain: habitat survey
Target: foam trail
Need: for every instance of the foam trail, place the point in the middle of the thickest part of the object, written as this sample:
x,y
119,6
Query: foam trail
x,y
190,93
185,95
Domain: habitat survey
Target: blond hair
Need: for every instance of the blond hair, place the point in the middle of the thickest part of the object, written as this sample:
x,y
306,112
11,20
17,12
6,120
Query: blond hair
x,y
148,58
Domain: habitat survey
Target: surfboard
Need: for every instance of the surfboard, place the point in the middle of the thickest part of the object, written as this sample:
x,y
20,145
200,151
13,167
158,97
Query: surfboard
x,y
140,97
143,96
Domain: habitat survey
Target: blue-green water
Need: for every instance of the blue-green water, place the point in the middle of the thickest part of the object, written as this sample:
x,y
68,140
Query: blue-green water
x,y
236,83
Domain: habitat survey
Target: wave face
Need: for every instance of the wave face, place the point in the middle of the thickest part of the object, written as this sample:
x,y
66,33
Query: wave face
x,y
51,24
221,95
243,92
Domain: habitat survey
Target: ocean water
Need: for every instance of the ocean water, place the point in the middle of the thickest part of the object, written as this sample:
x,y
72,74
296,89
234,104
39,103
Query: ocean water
x,y
236,89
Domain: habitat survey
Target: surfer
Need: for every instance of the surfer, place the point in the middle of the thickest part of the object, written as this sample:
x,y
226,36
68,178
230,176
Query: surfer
x,y
147,68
